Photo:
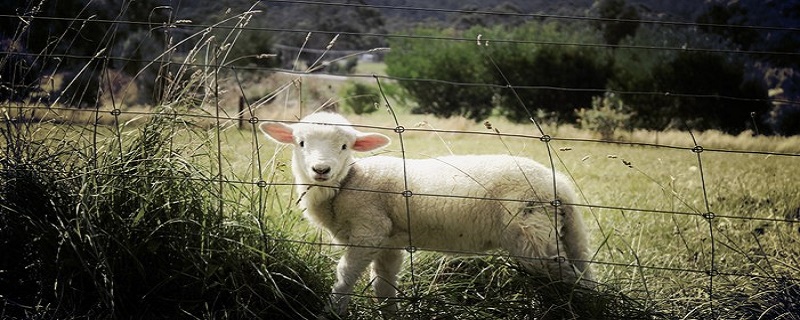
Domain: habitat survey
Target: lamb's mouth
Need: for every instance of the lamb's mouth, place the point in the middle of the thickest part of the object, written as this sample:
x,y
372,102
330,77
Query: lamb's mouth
x,y
321,178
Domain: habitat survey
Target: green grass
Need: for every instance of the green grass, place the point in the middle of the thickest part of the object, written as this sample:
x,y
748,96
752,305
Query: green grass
x,y
645,209
163,214
376,68
134,226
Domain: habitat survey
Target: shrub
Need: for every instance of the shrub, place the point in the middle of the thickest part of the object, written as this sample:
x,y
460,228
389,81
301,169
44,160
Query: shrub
x,y
19,72
548,69
473,78
606,116
343,67
360,98
446,78
687,89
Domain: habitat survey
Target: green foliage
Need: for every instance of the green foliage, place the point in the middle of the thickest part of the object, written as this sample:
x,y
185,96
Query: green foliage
x,y
666,89
696,90
80,40
19,72
134,228
544,69
614,30
359,23
719,16
695,84
548,70
607,115
440,75
360,98
343,67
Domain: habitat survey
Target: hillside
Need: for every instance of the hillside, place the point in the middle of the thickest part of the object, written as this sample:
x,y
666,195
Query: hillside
x,y
729,26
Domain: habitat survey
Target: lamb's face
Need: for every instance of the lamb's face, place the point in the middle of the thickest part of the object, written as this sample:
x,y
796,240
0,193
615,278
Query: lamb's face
x,y
323,146
322,153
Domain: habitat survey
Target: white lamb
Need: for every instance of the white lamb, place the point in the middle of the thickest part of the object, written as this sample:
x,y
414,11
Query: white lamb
x,y
377,205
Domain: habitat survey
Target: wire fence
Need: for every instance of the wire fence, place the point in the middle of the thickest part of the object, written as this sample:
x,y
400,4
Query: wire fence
x,y
193,64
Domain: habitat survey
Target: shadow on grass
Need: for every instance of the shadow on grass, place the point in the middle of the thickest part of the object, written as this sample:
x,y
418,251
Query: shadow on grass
x,y
494,288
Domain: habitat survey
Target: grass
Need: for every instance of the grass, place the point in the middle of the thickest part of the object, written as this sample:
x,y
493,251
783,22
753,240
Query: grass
x,y
173,211
643,249
132,227
159,212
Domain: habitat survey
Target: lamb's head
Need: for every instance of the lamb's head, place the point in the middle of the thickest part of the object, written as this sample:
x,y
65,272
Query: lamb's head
x,y
323,146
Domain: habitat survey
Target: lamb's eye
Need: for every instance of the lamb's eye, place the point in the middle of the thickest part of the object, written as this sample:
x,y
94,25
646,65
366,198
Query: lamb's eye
x,y
302,144
344,147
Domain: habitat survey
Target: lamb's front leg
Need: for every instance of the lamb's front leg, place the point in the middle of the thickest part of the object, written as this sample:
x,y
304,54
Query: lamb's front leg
x,y
350,268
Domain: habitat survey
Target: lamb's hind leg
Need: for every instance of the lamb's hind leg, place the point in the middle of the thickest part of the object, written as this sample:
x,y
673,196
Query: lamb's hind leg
x,y
385,268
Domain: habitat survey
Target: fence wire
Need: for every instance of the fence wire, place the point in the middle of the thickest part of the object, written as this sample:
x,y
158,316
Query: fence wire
x,y
213,116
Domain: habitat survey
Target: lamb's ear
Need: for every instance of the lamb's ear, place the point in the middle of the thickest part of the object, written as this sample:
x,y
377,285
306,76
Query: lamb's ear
x,y
277,131
370,141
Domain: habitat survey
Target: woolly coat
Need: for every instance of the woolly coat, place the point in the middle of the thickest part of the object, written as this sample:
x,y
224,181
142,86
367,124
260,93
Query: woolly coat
x,y
456,204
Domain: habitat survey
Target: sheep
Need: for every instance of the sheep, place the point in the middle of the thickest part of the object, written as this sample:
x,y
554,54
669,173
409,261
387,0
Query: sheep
x,y
376,206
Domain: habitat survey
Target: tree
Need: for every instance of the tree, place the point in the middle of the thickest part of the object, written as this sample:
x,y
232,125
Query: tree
x,y
355,26
19,72
28,43
560,77
699,90
446,78
554,77
733,21
620,20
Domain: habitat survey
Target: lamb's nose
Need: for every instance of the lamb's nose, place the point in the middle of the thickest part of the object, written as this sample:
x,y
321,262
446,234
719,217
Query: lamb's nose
x,y
321,169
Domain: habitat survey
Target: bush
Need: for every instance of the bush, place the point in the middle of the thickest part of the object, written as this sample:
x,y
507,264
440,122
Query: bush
x,y
469,79
606,116
360,98
342,67
549,69
19,72
687,89
446,78
692,77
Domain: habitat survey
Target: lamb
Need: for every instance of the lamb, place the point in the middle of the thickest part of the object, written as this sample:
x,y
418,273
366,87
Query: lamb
x,y
376,206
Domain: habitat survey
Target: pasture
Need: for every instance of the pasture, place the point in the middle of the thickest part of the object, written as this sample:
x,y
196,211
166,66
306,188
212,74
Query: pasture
x,y
120,209
647,206
657,250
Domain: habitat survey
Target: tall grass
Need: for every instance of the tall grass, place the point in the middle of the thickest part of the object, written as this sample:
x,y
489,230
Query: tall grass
x,y
132,227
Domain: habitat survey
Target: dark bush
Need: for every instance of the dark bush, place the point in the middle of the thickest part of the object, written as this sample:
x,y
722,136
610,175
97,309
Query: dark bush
x,y
700,91
481,72
446,78
19,72
561,78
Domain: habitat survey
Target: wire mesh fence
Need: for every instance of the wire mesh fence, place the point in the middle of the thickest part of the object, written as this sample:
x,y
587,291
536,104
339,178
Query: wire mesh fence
x,y
133,172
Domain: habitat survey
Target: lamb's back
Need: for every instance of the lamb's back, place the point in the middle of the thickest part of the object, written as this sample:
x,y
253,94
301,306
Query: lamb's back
x,y
454,196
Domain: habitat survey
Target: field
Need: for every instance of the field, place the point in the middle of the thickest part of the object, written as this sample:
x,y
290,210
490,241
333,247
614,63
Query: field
x,y
219,201
647,207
